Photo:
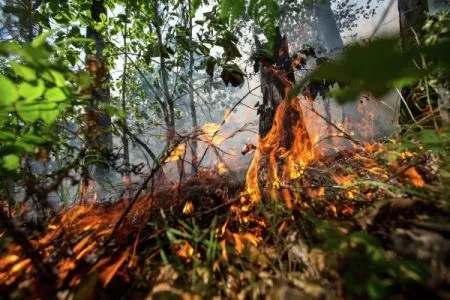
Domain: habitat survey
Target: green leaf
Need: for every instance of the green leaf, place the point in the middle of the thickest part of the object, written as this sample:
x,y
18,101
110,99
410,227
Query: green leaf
x,y
31,91
55,94
49,112
40,40
54,76
375,68
23,71
28,112
228,43
84,79
8,92
345,95
376,289
195,5
11,162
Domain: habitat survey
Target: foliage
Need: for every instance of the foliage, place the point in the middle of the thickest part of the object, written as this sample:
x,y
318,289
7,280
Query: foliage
x,y
41,91
265,13
35,93
382,273
356,73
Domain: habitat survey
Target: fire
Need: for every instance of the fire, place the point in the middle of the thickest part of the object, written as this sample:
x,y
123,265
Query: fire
x,y
188,208
222,169
209,129
210,134
343,179
185,251
287,141
227,115
316,193
177,153
414,176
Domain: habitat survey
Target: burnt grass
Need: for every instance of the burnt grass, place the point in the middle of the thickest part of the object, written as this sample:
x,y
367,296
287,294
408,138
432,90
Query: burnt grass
x,y
379,235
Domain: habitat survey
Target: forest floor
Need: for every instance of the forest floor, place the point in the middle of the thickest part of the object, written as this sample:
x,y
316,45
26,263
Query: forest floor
x,y
371,222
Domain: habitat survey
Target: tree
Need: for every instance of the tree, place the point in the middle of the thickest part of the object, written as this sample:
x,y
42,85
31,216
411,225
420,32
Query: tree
x,y
191,89
125,137
21,19
100,127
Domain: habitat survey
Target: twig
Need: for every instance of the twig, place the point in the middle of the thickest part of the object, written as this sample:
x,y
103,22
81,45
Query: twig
x,y
138,193
348,136
406,105
224,120
383,17
143,145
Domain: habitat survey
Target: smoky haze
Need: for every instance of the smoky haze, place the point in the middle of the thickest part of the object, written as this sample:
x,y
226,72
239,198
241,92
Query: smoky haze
x,y
371,120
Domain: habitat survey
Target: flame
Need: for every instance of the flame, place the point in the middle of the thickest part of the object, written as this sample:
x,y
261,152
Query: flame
x,y
223,247
295,157
241,238
185,251
8,259
414,176
209,129
188,208
210,134
227,115
316,193
111,270
279,157
222,169
177,153
343,179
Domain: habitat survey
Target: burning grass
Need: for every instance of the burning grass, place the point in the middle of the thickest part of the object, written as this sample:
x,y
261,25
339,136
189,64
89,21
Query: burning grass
x,y
190,226
211,235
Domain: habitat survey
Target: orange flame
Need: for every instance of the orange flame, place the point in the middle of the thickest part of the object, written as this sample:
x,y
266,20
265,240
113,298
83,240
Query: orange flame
x,y
415,178
177,153
296,153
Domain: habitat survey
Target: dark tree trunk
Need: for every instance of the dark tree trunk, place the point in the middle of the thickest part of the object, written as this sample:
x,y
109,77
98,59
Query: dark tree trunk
x,y
271,87
275,83
126,147
191,97
100,93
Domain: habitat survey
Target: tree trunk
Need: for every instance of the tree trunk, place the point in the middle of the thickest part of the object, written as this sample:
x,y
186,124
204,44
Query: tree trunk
x,y
100,94
271,100
444,107
170,120
191,96
273,89
126,148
